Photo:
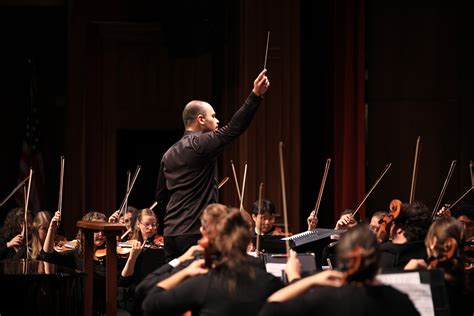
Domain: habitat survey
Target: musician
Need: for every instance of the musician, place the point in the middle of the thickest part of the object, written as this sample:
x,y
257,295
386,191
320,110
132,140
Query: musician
x,y
407,233
11,237
144,234
39,231
440,256
228,282
264,223
346,220
187,180
353,291
126,219
374,224
73,258
211,216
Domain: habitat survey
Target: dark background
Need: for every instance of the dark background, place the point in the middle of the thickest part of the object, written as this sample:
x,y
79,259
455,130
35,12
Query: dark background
x,y
113,77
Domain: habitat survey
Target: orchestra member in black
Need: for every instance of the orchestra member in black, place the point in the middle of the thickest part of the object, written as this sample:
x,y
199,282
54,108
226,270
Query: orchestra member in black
x,y
188,179
451,261
226,282
12,244
351,291
407,233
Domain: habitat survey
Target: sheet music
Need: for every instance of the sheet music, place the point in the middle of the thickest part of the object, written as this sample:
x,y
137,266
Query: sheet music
x,y
410,284
275,268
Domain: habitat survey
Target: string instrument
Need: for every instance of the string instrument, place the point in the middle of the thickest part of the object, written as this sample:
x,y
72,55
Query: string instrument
x,y
449,248
394,211
468,251
124,248
65,245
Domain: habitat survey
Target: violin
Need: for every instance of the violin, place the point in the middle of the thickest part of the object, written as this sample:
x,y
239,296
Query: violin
x,y
124,248
394,211
65,245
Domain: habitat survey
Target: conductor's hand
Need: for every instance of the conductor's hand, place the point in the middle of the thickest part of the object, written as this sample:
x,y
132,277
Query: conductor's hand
x,y
261,84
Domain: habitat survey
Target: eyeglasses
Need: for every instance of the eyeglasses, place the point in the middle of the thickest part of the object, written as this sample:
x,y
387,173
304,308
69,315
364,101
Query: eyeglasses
x,y
148,225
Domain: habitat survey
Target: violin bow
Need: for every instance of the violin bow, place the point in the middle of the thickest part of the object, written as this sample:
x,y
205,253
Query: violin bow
x,y
27,198
471,170
61,181
372,188
283,193
415,169
443,190
321,189
260,193
125,199
14,191
243,188
128,188
153,205
461,197
223,181
236,180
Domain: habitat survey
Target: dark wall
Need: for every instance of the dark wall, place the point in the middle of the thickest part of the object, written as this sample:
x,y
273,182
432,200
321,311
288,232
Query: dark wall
x,y
420,83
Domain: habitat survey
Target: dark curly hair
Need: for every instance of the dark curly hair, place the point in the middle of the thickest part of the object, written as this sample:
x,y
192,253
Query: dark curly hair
x,y
12,224
415,220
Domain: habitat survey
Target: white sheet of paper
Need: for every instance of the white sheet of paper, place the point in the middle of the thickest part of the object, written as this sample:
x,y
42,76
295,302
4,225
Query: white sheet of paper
x,y
275,268
410,284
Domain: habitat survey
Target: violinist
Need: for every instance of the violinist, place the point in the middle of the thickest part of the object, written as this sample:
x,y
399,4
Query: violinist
x,y
345,221
407,232
144,235
264,223
74,258
11,234
212,215
352,291
375,221
443,247
126,219
227,282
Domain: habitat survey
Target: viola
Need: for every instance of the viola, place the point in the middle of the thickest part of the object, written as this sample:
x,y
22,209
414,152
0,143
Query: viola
x,y
449,248
394,211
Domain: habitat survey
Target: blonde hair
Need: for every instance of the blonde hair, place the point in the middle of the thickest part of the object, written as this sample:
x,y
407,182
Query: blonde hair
x,y
41,219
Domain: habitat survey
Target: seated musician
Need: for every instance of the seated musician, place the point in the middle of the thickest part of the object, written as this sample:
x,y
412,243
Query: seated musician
x,y
126,219
265,221
11,238
144,235
74,258
211,216
374,224
345,221
443,234
407,232
226,282
352,291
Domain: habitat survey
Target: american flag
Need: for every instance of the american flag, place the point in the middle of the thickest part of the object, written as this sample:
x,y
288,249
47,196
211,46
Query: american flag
x,y
31,154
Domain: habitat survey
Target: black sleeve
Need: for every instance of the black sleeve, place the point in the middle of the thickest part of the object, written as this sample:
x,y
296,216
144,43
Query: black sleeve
x,y
151,280
162,193
67,258
212,142
186,296
3,248
292,307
